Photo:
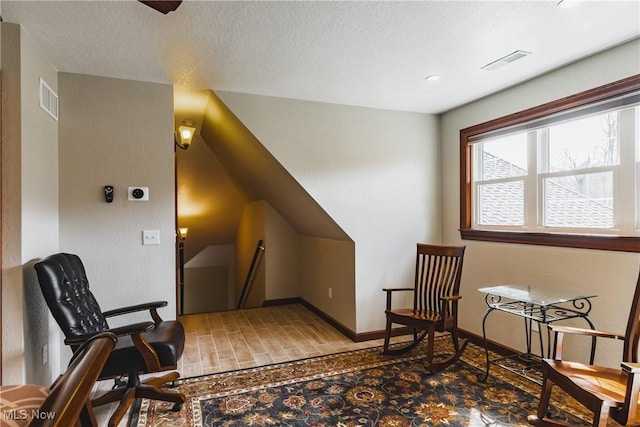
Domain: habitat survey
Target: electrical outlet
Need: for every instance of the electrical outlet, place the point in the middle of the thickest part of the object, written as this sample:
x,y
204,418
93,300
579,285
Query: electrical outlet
x,y
330,293
45,354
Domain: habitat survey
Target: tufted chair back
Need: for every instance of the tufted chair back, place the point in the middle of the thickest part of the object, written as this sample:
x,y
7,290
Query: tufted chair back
x,y
65,288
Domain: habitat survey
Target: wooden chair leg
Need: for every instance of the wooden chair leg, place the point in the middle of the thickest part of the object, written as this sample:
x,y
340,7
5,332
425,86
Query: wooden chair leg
x,y
453,357
155,393
540,419
162,380
601,417
87,417
455,338
430,344
387,338
123,407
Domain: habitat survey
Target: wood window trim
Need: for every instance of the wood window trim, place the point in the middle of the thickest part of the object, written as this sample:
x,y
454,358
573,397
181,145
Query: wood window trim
x,y
582,99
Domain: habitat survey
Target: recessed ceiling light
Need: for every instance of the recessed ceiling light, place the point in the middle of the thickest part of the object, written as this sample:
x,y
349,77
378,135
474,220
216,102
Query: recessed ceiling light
x,y
505,60
432,78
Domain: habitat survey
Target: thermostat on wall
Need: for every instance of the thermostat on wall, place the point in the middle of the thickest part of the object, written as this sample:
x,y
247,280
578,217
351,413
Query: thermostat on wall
x,y
138,194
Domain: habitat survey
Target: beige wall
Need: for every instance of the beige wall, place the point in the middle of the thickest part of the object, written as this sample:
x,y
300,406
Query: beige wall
x,y
218,258
610,275
282,257
324,264
277,274
120,133
206,289
375,172
12,324
30,208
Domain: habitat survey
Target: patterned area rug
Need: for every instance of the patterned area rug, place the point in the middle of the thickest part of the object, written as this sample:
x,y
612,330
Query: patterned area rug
x,y
359,388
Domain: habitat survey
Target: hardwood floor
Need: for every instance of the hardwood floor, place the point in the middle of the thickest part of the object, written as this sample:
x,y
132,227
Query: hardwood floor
x,y
229,340
238,339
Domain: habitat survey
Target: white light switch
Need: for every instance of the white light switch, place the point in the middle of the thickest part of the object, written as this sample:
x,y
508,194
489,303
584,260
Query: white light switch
x,y
150,237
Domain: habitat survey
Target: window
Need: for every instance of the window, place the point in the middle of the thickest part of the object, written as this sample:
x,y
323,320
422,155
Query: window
x,y
566,173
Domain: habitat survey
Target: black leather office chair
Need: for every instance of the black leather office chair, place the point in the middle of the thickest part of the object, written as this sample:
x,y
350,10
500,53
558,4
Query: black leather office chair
x,y
142,348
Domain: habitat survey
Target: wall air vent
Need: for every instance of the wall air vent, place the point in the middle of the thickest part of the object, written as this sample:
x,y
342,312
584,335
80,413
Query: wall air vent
x,y
505,60
48,100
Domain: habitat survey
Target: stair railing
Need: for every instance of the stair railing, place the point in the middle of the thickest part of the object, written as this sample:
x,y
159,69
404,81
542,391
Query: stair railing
x,y
248,282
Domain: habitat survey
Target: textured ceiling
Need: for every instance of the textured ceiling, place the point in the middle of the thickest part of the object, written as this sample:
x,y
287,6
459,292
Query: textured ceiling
x,y
373,54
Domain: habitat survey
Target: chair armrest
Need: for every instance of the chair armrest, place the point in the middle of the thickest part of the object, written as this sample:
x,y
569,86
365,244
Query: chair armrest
x,y
134,308
584,331
389,292
71,392
630,407
560,331
448,306
133,329
136,328
629,367
151,306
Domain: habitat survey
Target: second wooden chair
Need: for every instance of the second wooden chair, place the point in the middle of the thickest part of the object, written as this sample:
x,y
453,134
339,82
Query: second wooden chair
x,y
436,293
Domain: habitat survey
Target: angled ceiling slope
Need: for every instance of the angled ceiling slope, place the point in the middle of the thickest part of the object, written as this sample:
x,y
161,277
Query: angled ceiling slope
x,y
260,175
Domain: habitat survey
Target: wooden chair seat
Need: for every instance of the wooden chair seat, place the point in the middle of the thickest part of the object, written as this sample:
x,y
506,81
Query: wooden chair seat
x,y
604,383
409,314
435,303
610,393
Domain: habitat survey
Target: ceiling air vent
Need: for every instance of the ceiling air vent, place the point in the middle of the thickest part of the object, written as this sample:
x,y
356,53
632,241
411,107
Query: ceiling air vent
x,y
48,100
505,60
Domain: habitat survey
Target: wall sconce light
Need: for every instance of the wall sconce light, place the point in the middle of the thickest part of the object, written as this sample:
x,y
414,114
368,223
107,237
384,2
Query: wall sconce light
x,y
185,134
182,232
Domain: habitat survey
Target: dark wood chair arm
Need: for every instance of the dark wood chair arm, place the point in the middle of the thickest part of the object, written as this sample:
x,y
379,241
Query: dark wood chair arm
x,y
136,328
70,393
148,353
150,356
585,331
629,367
448,307
151,306
79,351
390,291
560,331
633,387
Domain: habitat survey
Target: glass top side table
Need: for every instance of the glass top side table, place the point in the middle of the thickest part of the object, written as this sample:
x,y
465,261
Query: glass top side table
x,y
542,305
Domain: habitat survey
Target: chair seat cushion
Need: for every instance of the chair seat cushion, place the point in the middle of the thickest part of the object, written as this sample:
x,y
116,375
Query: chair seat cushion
x,y
167,339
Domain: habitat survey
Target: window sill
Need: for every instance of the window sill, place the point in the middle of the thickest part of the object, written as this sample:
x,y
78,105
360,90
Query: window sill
x,y
581,241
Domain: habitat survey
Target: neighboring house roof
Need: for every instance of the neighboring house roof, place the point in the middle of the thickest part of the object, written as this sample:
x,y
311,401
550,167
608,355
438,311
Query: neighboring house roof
x,y
501,203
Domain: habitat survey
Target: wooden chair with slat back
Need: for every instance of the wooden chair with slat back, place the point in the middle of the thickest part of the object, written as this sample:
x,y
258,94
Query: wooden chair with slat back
x,y
607,392
436,293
